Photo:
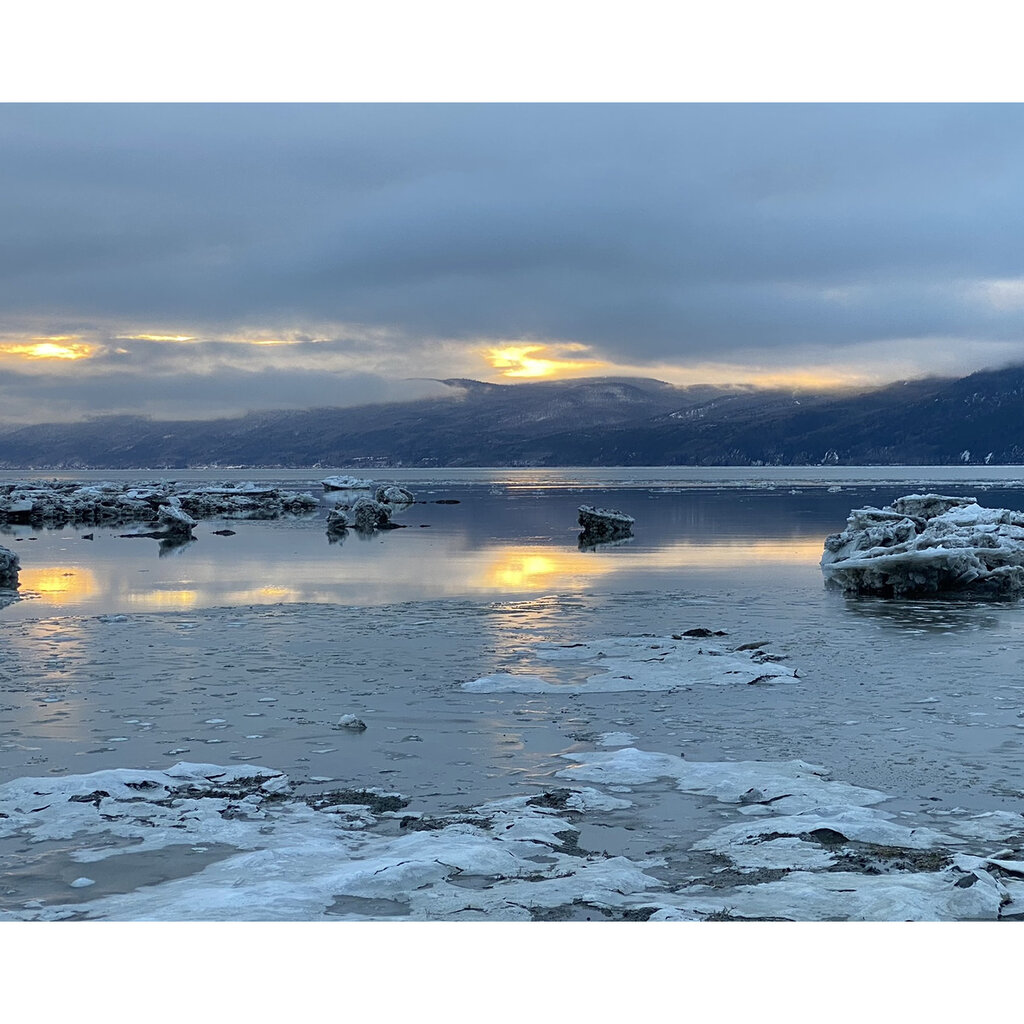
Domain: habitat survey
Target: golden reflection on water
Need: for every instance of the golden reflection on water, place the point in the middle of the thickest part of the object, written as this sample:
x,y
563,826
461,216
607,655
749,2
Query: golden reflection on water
x,y
266,595
373,574
59,584
532,568
522,570
160,600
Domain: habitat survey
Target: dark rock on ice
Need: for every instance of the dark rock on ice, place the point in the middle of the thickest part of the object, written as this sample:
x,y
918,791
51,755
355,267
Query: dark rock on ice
x,y
556,799
378,803
603,525
928,544
351,723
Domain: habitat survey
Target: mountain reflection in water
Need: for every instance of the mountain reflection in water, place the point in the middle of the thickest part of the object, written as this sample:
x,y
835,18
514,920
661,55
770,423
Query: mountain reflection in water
x,y
497,542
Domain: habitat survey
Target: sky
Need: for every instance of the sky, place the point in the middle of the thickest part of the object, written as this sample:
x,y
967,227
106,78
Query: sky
x,y
205,259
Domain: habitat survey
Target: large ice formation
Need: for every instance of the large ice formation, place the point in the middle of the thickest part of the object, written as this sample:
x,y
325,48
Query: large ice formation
x,y
346,483
926,544
9,566
175,520
59,502
364,515
393,495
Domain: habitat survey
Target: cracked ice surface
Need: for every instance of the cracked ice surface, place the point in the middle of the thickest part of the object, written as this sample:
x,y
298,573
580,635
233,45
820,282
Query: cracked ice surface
x,y
799,846
291,861
807,828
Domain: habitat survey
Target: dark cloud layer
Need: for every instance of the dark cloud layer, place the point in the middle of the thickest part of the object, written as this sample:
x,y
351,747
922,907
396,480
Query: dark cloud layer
x,y
653,233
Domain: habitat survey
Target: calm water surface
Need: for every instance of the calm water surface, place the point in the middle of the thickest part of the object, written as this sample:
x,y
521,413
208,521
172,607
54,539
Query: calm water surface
x,y
512,534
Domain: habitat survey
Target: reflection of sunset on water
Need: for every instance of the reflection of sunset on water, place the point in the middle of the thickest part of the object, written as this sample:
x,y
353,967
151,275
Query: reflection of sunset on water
x,y
546,568
270,595
383,572
523,570
158,600
59,584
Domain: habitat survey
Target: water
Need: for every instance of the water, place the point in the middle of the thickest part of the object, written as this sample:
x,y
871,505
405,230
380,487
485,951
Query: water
x,y
922,700
513,534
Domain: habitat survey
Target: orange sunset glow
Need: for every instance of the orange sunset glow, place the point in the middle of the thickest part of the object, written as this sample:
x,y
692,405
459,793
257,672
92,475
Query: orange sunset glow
x,y
534,361
48,348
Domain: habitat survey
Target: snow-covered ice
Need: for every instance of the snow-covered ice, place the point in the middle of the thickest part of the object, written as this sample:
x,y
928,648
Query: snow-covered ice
x,y
60,502
926,544
649,664
257,845
346,483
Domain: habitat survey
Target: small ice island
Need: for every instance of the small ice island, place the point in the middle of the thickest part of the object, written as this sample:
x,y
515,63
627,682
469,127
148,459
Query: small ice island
x,y
928,544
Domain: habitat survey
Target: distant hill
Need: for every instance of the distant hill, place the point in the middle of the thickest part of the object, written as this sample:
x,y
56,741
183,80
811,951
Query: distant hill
x,y
595,421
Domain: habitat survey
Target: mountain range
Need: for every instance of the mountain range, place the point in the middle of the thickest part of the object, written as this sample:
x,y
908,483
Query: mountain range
x,y
582,422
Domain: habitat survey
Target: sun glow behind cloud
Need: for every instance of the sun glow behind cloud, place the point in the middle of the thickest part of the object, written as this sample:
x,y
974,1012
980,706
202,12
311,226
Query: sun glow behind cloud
x,y
156,337
536,360
48,348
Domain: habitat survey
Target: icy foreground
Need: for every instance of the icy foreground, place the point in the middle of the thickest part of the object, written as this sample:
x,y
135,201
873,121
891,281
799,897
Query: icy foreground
x,y
251,844
926,544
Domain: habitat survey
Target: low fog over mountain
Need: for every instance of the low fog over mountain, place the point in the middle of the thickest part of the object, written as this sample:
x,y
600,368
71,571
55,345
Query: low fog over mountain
x,y
598,421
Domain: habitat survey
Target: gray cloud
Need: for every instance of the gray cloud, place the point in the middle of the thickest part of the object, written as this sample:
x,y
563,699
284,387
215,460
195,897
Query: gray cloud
x,y
653,233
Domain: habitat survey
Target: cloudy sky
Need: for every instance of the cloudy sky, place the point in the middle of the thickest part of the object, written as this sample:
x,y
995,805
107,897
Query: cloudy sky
x,y
200,260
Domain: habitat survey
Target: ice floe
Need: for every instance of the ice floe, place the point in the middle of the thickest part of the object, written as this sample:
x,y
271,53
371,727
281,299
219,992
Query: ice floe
x,y
60,502
624,664
794,783
926,544
392,494
346,483
852,896
364,515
